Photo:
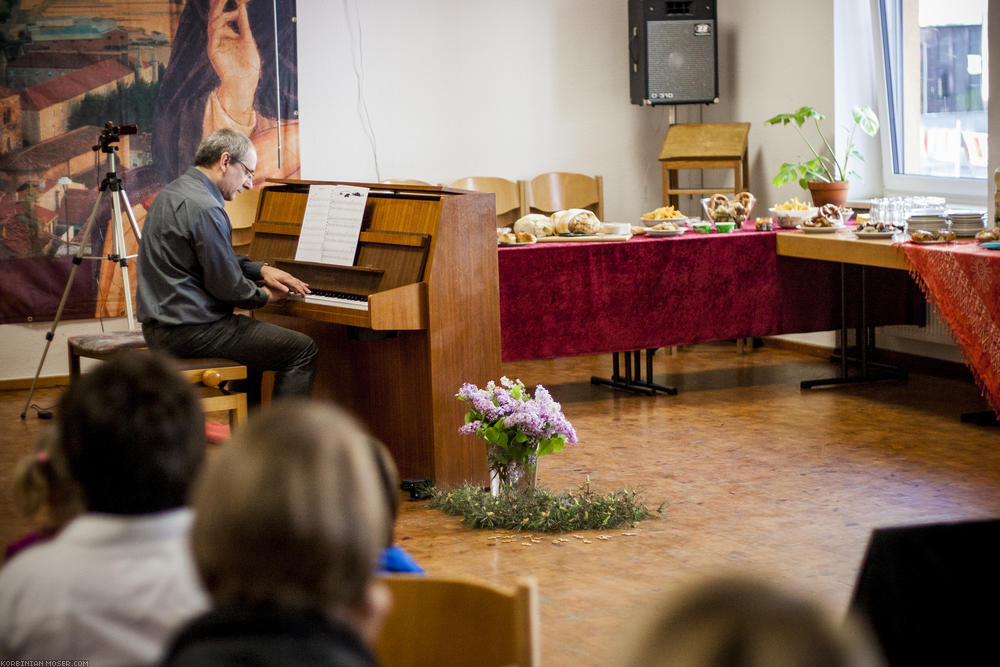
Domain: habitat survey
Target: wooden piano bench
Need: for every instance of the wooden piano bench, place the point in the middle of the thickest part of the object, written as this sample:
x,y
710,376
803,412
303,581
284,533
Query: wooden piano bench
x,y
208,374
101,346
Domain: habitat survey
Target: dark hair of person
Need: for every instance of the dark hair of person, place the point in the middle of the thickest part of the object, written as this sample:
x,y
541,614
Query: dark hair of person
x,y
133,434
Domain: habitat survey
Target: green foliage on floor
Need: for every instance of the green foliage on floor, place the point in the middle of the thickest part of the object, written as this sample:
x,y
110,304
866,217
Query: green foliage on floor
x,y
542,510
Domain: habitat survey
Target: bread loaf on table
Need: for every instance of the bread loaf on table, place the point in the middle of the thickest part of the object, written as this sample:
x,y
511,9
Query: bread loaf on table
x,y
576,221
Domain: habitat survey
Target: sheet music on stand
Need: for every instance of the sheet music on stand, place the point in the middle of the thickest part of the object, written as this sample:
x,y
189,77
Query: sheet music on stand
x,y
331,225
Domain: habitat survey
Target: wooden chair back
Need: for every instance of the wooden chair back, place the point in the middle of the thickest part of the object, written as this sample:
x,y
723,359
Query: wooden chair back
x,y
242,210
451,621
509,195
559,190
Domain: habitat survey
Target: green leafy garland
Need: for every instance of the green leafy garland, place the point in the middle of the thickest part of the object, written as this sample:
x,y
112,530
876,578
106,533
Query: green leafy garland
x,y
542,510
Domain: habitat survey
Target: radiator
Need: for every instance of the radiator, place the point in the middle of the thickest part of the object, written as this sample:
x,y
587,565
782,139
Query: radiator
x,y
936,331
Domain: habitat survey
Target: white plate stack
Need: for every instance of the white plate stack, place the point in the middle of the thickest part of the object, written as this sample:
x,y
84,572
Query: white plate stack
x,y
926,221
967,223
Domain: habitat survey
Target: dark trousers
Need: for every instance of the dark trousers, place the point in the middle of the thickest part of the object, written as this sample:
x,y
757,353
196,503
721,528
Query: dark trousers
x,y
260,346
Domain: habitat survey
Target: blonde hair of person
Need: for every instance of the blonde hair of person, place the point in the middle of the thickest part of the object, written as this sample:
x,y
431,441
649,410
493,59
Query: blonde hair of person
x,y
292,511
738,621
42,488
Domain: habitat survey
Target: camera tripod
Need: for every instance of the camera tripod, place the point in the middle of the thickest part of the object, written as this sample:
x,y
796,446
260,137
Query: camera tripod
x,y
112,186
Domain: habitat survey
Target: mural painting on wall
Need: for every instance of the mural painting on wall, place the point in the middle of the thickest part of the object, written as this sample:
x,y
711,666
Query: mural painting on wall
x,y
176,71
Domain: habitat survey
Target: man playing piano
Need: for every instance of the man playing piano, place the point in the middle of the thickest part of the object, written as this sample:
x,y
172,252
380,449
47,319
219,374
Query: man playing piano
x,y
190,280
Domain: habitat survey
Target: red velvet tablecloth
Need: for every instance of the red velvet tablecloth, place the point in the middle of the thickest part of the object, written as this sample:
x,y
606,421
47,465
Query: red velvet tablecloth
x,y
564,299
962,280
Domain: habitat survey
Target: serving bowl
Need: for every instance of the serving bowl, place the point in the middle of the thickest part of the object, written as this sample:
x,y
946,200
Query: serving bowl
x,y
710,214
792,218
651,222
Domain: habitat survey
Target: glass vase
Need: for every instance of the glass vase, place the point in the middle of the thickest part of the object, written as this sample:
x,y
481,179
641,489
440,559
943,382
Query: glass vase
x,y
513,475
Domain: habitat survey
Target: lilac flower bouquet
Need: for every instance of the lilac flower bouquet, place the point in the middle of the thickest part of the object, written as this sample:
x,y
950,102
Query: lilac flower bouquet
x,y
517,427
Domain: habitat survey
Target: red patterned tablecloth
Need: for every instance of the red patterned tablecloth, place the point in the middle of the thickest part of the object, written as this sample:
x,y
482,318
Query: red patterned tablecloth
x,y
962,280
565,299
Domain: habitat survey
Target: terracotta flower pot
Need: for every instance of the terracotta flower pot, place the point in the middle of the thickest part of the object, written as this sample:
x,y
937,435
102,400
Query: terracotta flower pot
x,y
829,193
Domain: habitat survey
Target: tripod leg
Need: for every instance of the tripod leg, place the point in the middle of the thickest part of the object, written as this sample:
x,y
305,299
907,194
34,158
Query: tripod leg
x,y
121,253
77,260
131,215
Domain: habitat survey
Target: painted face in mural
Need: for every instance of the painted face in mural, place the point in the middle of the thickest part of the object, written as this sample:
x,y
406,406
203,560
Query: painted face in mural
x,y
224,72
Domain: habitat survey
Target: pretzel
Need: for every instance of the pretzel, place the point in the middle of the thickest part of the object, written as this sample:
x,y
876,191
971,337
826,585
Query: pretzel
x,y
718,200
830,213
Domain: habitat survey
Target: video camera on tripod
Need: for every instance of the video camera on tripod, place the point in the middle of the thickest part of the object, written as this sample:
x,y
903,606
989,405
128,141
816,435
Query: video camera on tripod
x,y
113,187
112,133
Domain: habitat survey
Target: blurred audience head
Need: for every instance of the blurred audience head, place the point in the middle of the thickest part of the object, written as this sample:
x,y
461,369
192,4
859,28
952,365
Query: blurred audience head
x,y
42,488
389,477
293,512
133,434
738,621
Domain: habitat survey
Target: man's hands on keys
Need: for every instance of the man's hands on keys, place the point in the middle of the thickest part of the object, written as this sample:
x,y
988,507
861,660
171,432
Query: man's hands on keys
x,y
279,284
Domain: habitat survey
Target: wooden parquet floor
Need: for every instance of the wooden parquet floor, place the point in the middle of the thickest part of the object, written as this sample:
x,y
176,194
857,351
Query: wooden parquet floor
x,y
755,475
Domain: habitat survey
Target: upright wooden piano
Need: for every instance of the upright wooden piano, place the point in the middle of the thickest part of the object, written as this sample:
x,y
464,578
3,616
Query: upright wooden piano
x,y
426,316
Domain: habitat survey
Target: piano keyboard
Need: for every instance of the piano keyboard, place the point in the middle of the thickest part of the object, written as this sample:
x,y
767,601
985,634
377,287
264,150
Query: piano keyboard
x,y
327,297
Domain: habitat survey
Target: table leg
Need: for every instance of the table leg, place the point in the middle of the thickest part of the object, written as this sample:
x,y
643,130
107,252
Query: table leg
x,y
628,382
865,341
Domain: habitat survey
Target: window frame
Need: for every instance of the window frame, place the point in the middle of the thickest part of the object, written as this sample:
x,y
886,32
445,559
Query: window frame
x,y
966,190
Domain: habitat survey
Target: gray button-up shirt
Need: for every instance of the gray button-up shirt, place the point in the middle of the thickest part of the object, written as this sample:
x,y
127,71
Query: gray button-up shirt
x,y
187,270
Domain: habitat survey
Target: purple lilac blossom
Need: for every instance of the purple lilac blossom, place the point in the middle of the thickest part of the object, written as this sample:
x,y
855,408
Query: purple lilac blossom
x,y
538,418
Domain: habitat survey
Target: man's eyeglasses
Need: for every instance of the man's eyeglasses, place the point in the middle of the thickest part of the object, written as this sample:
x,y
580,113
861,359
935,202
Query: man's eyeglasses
x,y
247,169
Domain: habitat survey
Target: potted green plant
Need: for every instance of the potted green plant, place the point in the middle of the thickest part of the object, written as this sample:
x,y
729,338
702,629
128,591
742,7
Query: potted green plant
x,y
824,175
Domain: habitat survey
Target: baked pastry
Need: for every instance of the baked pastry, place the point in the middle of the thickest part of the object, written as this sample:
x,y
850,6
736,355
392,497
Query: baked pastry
x,y
536,224
921,235
830,213
818,221
576,221
525,237
738,211
722,209
988,235
717,200
665,226
506,238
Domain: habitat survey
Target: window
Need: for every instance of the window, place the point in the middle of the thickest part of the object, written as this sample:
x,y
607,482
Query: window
x,y
933,93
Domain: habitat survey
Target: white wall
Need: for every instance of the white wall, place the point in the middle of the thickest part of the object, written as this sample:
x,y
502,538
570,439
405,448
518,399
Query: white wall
x,y
456,88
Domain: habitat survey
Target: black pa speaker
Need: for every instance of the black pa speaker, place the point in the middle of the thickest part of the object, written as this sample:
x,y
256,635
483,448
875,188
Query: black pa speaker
x,y
931,593
673,53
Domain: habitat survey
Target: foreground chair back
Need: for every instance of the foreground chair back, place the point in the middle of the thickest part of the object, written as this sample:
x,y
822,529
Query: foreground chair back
x,y
450,621
559,190
509,196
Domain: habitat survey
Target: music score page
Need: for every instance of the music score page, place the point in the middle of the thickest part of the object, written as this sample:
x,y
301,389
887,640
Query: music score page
x,y
331,225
